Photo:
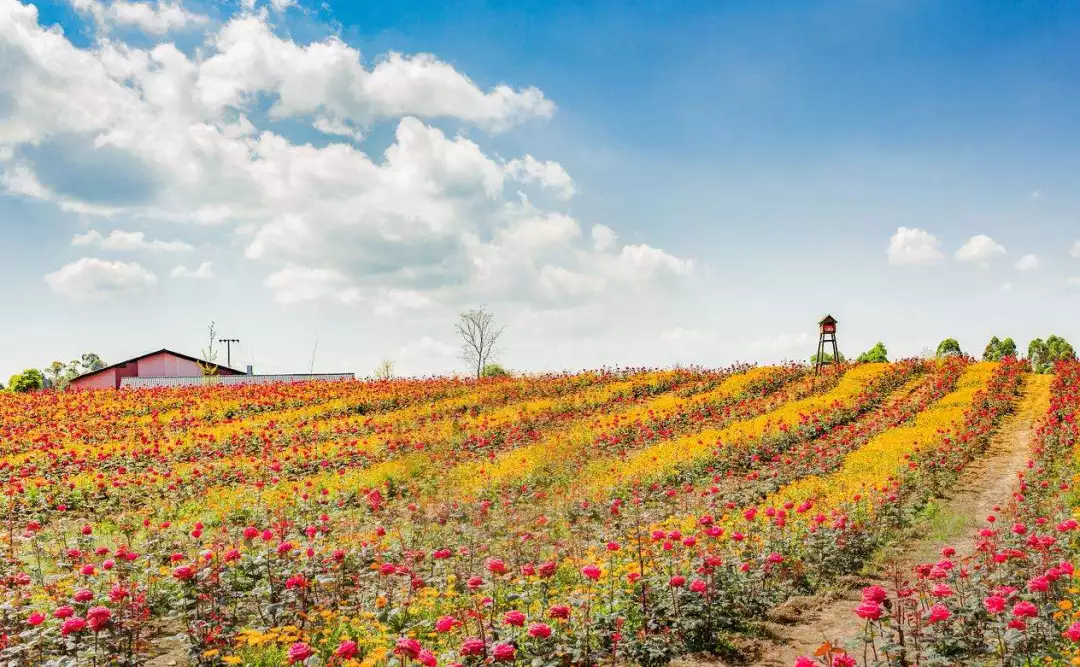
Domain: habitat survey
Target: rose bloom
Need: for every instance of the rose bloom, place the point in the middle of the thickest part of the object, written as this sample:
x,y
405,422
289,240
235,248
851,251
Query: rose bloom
x,y
591,572
874,594
515,618
496,566
183,573
36,618
445,624
472,646
843,661
939,613
64,612
547,569
941,591
1025,609
677,581
543,630
299,652
995,604
407,647
427,658
503,652
869,610
803,661
559,611
1073,632
74,624
1038,584
474,582
98,617
346,650
83,595
697,586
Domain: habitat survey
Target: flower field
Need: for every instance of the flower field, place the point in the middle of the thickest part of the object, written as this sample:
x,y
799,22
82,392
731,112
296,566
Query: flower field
x,y
629,516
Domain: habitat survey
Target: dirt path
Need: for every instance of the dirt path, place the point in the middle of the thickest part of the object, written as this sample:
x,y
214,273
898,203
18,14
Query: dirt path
x,y
986,483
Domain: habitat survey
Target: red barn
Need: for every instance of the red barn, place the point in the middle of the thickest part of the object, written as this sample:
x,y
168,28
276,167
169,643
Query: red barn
x,y
163,363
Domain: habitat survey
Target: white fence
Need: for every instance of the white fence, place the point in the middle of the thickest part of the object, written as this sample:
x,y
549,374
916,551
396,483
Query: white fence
x,y
137,382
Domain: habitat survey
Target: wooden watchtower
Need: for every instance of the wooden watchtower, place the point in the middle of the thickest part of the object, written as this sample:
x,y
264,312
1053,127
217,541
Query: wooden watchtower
x,y
826,334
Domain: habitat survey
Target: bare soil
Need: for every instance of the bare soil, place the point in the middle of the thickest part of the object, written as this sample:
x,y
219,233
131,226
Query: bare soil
x,y
801,625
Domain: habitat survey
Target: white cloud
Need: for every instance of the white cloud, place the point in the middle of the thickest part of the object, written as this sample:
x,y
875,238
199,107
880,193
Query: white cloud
x,y
1006,287
121,241
772,345
282,5
913,246
430,220
204,271
980,248
330,77
297,284
156,18
1075,252
91,278
427,348
1027,263
337,127
681,335
603,238
548,174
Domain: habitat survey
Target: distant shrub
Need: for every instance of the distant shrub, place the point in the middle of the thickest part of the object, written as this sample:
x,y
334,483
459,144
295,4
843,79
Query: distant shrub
x,y
875,355
494,371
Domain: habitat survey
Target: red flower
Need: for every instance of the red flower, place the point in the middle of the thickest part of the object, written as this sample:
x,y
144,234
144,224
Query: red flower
x,y
1025,609
295,581
427,658
874,594
299,652
83,595
612,546
472,646
559,611
503,652
63,612
1073,632
446,624
74,624
547,569
1038,584
98,617
677,581
591,572
995,604
496,566
408,647
697,586
869,610
346,650
543,630
36,618
939,613
183,573
514,618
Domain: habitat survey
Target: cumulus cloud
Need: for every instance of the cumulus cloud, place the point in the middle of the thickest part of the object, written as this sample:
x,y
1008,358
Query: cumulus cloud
x,y
121,241
548,174
428,348
91,278
682,335
980,248
772,345
911,246
1027,263
295,284
156,18
433,219
204,271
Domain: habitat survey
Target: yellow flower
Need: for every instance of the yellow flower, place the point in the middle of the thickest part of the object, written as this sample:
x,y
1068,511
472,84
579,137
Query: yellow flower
x,y
232,660
380,602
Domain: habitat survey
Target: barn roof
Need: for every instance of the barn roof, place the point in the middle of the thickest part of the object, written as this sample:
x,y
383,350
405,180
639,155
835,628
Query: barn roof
x,y
150,354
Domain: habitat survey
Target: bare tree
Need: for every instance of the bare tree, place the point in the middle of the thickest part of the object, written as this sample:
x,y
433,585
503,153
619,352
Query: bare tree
x,y
208,364
479,334
385,369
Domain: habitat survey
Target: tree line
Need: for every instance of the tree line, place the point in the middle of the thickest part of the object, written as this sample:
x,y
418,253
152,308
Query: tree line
x,y
1042,354
56,375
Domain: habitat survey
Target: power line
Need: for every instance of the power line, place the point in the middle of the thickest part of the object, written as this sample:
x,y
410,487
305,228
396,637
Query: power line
x,y
228,349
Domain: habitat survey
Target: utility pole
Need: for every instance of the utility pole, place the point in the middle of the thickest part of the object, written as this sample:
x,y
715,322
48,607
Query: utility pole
x,y
228,349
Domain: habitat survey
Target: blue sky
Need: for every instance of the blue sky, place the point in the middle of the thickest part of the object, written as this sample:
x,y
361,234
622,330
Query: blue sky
x,y
622,183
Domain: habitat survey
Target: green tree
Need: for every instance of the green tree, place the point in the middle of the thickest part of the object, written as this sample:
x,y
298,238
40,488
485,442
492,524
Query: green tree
x,y
875,355
1044,354
827,357
29,380
949,348
91,362
996,350
495,371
